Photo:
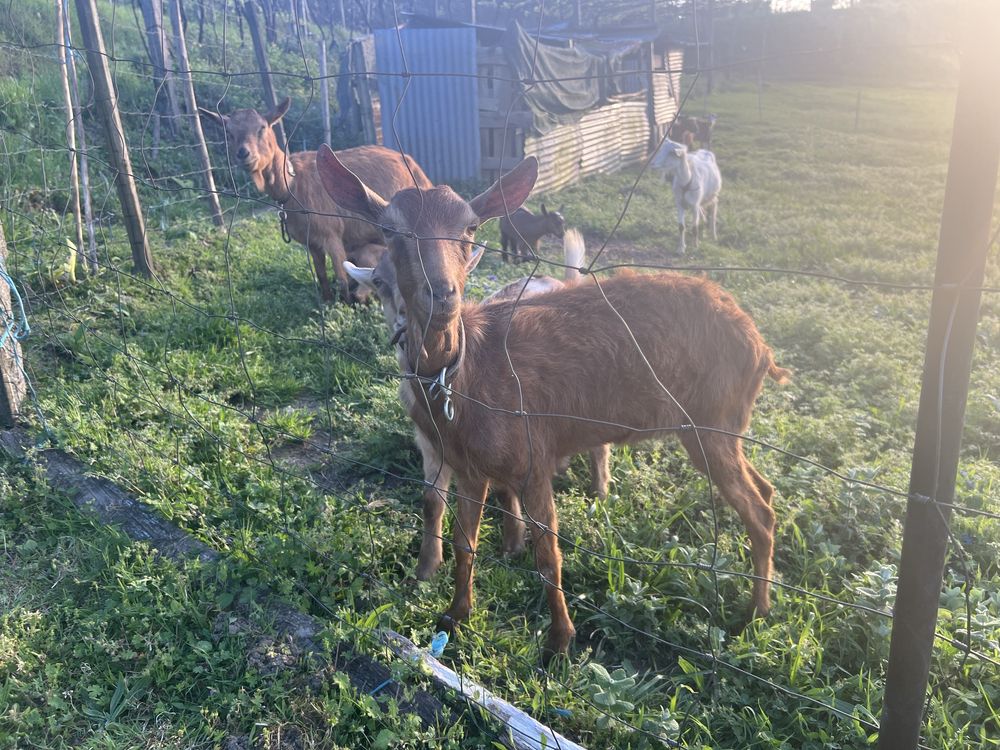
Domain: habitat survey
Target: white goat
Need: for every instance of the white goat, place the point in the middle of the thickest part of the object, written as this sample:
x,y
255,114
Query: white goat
x,y
696,182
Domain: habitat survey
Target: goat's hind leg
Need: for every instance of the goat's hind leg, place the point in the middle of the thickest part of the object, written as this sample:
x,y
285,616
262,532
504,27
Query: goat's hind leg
x,y
600,470
749,494
713,210
513,523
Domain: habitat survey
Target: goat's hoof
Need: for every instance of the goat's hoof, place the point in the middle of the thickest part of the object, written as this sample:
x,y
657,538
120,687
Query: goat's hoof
x,y
513,549
557,644
449,623
426,571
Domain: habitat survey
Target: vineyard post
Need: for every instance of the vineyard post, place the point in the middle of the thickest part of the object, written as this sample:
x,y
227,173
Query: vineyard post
x,y
106,102
13,386
192,106
74,172
963,247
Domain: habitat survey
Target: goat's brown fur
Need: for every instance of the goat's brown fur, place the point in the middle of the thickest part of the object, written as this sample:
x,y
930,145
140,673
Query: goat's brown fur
x,y
594,364
292,182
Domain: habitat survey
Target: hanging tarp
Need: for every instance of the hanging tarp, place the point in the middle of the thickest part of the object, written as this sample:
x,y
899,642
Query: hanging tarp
x,y
559,83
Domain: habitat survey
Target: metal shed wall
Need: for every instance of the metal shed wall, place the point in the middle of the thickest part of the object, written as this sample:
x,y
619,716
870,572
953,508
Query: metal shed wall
x,y
437,121
603,140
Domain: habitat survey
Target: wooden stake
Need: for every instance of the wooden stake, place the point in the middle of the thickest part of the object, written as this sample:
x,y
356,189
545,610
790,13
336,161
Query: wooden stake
x,y
106,101
74,85
159,54
74,174
324,91
192,106
260,52
13,386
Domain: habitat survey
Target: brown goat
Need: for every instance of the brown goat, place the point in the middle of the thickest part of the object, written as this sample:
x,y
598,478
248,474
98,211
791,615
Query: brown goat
x,y
522,231
687,130
307,210
381,279
631,358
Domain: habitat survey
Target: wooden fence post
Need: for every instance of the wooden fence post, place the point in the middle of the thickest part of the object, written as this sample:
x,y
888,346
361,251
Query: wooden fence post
x,y
107,106
13,387
74,173
260,52
962,251
88,211
159,55
192,107
324,91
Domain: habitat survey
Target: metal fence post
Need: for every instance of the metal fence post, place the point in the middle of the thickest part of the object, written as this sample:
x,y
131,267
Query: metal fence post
x,y
962,252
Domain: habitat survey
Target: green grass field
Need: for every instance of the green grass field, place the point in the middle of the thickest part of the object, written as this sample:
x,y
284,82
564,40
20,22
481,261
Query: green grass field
x,y
224,396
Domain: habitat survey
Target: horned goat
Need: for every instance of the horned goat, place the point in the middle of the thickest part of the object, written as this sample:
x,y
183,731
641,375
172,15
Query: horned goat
x,y
509,389
308,215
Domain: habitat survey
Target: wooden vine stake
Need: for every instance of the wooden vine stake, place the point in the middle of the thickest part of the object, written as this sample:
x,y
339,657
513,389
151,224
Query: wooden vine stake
x,y
74,172
180,47
264,68
106,101
13,386
74,85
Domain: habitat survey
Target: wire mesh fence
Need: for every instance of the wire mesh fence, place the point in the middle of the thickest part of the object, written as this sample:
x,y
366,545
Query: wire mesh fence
x,y
226,394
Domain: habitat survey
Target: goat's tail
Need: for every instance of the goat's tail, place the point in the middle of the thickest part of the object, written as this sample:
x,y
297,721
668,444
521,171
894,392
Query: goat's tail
x,y
778,374
574,252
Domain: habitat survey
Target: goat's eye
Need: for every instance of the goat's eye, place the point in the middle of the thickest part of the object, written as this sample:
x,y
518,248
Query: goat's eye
x,y
471,229
263,128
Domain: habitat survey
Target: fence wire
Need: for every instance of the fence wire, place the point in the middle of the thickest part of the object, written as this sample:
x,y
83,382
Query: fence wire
x,y
96,336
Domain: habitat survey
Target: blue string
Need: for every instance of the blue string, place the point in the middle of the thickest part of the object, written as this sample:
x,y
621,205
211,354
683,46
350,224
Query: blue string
x,y
379,686
19,331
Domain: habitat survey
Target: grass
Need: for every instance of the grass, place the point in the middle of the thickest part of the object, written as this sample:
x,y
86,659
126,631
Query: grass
x,y
223,395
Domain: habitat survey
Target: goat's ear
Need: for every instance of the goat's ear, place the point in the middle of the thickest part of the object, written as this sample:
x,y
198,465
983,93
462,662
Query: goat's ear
x,y
216,117
477,255
364,276
279,111
346,188
508,193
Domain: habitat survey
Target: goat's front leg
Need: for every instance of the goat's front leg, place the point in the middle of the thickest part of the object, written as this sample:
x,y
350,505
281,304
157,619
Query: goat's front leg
x,y
713,210
437,474
679,200
541,513
468,515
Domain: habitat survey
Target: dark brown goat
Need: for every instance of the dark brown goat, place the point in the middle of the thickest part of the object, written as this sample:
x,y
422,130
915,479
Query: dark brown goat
x,y
522,231
687,130
521,385
291,181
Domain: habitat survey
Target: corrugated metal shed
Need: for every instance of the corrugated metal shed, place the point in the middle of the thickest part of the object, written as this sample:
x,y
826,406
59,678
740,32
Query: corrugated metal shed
x,y
603,140
437,121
